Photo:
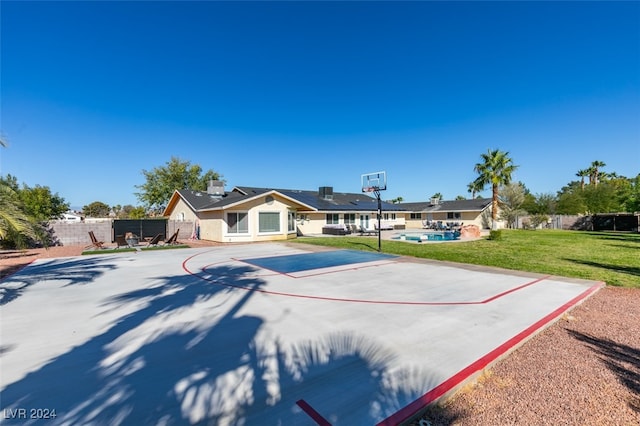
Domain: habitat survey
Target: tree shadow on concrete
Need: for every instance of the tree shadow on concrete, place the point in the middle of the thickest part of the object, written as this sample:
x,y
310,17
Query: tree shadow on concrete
x,y
622,360
75,271
188,354
630,270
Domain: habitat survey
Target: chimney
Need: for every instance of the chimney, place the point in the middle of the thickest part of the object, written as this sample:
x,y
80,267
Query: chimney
x,y
215,188
326,192
434,201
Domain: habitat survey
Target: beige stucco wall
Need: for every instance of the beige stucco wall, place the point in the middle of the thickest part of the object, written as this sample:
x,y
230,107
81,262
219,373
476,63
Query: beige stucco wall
x,y
182,211
213,225
310,223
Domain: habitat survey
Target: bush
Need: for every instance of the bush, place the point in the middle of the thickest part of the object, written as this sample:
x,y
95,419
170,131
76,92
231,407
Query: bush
x,y
495,235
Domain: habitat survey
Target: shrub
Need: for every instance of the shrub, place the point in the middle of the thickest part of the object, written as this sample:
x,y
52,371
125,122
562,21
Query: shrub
x,y
495,235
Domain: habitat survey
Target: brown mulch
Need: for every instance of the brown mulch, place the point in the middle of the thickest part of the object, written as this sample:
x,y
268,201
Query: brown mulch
x,y
582,370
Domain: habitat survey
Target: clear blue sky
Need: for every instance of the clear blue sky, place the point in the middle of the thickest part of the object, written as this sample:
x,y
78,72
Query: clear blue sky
x,y
306,94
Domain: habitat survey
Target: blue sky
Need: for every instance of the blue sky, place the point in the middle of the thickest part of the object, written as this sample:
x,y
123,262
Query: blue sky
x,y
307,94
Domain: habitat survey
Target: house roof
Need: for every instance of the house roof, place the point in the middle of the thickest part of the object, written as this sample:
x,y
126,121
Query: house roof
x,y
314,201
340,201
310,200
473,205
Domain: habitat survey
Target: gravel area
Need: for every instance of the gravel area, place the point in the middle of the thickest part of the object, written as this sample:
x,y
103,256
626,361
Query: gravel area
x,y
582,370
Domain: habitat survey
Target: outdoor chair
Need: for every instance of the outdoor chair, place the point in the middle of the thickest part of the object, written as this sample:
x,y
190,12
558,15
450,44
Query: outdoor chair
x,y
173,239
94,241
155,240
121,241
365,231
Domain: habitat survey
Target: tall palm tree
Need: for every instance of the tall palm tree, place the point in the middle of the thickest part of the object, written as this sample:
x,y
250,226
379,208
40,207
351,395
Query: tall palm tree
x,y
595,170
583,173
495,169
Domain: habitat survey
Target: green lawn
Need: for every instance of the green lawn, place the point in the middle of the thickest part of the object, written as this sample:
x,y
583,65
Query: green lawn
x,y
603,256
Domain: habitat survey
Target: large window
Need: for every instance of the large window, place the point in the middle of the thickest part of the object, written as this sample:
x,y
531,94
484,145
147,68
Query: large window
x,y
269,222
333,218
416,216
349,218
453,215
238,223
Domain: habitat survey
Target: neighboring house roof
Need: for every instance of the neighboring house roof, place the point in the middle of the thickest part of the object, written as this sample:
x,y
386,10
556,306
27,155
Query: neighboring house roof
x,y
473,205
310,200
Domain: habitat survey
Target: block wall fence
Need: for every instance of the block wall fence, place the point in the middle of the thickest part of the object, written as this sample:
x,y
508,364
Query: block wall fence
x,y
77,233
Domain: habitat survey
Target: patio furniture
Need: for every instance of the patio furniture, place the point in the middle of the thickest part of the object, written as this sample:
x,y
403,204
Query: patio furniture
x,y
335,230
365,231
173,239
155,240
121,241
94,241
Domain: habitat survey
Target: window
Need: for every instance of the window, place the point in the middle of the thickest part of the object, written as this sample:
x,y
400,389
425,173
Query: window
x,y
349,218
291,221
387,216
237,223
269,222
333,218
416,216
453,215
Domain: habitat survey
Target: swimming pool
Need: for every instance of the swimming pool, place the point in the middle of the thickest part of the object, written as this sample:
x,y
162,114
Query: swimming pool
x,y
427,236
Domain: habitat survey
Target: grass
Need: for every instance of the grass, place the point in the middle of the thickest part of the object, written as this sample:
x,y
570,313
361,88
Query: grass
x,y
130,249
613,258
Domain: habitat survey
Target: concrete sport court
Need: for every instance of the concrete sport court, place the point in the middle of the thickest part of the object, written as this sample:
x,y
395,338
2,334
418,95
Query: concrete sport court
x,y
257,334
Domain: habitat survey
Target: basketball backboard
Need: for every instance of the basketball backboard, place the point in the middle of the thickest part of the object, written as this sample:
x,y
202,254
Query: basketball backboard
x,y
376,181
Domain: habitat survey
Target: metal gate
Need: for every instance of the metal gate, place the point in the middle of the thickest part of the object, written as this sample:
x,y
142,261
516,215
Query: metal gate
x,y
143,228
616,222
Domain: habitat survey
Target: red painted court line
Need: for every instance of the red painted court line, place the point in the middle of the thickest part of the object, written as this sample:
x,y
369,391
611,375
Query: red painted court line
x,y
499,295
321,421
338,299
446,386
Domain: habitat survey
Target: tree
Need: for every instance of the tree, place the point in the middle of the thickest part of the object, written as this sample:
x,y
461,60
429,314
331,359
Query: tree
x,y
397,200
495,169
40,204
13,220
511,197
583,173
96,209
594,172
437,195
473,189
161,182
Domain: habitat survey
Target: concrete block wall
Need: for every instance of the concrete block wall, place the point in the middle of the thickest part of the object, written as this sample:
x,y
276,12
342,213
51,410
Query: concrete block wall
x,y
77,233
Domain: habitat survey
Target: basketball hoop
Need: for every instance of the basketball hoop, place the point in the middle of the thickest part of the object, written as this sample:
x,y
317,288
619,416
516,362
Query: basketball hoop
x,y
375,182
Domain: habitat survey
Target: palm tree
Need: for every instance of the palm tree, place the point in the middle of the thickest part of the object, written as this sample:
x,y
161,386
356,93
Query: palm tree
x,y
495,169
595,171
12,218
583,173
473,189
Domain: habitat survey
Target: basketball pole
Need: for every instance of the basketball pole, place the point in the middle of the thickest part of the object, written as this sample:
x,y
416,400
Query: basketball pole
x,y
377,194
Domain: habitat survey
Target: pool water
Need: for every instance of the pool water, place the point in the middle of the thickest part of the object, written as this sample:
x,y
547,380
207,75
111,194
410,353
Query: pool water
x,y
428,236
